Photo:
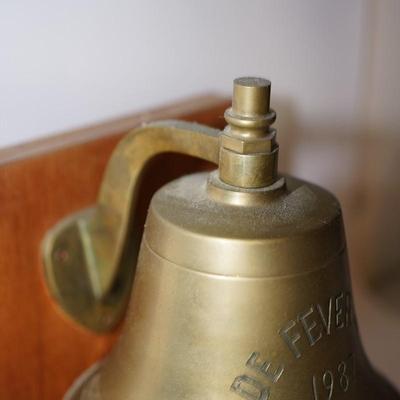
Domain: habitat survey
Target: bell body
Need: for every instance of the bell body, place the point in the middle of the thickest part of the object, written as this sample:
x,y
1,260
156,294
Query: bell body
x,y
239,297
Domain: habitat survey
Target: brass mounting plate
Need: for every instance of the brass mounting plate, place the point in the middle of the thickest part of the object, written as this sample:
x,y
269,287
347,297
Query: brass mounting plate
x,y
69,276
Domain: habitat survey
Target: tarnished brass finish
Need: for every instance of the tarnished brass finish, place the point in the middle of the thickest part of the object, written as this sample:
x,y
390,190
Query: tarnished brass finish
x,y
256,170
240,292
88,258
249,152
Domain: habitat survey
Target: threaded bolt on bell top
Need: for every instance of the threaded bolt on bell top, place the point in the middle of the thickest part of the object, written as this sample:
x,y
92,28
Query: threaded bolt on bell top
x,y
249,152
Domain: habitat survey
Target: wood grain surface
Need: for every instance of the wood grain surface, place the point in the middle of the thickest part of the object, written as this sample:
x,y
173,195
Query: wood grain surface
x,y
41,350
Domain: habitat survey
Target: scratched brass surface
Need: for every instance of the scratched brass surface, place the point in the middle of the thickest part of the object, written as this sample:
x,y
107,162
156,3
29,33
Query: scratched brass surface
x,y
242,287
219,313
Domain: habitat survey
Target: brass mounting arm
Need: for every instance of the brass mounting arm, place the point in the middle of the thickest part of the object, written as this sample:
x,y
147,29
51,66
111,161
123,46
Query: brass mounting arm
x,y
89,262
90,257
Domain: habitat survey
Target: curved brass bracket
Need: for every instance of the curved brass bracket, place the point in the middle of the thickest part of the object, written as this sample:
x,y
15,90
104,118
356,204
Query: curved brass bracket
x,y
89,266
90,257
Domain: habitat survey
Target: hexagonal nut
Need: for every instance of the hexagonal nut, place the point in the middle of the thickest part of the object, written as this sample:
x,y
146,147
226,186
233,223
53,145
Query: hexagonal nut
x,y
248,146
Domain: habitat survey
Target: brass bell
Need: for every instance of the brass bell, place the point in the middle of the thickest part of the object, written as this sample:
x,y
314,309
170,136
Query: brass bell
x,y
241,288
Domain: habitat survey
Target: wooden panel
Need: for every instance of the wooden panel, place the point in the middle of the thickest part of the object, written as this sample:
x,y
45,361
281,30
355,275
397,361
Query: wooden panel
x,y
42,351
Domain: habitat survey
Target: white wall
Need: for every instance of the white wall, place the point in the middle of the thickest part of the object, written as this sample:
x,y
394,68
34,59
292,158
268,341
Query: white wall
x,y
68,63
384,94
